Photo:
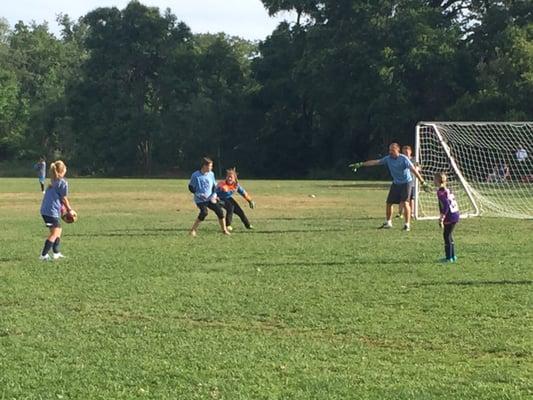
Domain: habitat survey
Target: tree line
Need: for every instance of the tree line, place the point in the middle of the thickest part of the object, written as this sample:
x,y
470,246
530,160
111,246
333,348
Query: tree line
x,y
135,92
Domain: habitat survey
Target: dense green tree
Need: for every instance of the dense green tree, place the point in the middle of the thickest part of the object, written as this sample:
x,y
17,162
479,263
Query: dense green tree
x,y
134,91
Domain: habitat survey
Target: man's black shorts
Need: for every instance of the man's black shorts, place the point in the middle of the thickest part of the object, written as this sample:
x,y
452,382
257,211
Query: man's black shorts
x,y
399,193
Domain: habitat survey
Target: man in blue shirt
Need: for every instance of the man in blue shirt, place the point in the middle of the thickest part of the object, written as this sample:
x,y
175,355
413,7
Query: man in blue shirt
x,y
400,168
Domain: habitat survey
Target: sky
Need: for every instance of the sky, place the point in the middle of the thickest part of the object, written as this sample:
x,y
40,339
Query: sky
x,y
244,18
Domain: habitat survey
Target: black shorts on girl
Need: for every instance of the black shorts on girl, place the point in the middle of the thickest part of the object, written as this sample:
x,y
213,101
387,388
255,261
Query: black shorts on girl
x,y
51,222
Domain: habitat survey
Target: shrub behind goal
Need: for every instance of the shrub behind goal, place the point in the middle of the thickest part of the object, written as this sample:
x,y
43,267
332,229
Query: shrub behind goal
x,y
489,167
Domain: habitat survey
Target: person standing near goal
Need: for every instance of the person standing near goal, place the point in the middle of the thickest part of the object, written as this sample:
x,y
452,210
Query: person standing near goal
x,y
449,215
408,152
400,168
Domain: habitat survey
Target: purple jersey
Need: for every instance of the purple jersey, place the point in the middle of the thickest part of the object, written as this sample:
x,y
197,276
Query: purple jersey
x,y
448,206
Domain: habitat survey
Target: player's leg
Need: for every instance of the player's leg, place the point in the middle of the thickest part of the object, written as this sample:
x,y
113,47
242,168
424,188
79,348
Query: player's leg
x,y
448,242
240,212
400,211
392,198
217,208
405,202
55,232
201,216
229,205
453,257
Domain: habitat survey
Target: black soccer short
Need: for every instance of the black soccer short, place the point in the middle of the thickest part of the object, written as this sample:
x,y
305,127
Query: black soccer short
x,y
51,222
212,206
400,193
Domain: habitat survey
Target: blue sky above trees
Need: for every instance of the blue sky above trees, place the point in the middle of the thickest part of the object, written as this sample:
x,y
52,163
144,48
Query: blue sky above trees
x,y
244,18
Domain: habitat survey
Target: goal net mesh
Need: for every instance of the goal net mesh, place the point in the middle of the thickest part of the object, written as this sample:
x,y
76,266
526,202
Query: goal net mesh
x,y
489,167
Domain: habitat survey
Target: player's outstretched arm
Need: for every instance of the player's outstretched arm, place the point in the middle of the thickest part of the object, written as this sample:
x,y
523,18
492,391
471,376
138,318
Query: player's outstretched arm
x,y
369,163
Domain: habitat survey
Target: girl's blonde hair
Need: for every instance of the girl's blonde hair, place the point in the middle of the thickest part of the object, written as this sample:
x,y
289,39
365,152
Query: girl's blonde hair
x,y
232,171
441,178
57,168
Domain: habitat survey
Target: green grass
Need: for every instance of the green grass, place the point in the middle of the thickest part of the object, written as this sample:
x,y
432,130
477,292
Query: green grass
x,y
315,303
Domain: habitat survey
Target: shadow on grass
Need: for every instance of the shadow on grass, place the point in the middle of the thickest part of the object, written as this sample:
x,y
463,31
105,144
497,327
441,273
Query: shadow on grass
x,y
377,186
132,232
475,283
302,263
319,219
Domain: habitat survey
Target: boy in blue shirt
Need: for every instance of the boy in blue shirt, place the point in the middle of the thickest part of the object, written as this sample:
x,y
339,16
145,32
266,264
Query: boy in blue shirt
x,y
203,185
400,168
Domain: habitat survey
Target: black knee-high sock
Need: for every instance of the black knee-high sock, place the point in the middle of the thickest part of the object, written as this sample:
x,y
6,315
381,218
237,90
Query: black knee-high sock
x,y
47,246
55,247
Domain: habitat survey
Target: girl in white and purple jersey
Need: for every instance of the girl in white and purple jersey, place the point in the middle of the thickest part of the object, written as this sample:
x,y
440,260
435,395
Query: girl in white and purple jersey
x,y
449,215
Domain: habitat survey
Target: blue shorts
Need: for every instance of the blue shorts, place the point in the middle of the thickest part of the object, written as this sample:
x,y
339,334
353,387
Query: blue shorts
x,y
51,222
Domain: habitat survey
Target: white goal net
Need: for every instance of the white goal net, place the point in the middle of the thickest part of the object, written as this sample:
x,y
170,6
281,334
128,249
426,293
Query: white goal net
x,y
489,167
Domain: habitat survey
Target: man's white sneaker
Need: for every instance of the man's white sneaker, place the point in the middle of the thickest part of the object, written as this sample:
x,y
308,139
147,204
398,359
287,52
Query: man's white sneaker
x,y
57,256
385,225
46,257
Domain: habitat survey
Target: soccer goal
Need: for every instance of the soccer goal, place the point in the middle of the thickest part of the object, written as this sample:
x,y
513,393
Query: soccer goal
x,y
489,167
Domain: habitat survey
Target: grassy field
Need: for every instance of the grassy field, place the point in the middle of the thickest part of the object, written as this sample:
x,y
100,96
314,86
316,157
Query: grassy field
x,y
315,303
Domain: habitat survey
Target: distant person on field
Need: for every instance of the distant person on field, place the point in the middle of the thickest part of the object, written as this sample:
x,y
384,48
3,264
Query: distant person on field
x,y
41,172
203,185
500,173
225,191
521,154
54,199
522,168
400,168
408,152
449,215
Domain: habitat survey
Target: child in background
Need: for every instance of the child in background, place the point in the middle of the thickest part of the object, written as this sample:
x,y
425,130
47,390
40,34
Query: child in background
x,y
225,190
202,185
41,172
449,215
54,198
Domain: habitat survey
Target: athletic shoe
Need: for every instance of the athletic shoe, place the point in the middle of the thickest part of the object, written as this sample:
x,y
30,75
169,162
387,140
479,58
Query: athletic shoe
x,y
57,256
227,233
446,260
192,233
406,228
250,227
229,228
385,226
46,257
454,258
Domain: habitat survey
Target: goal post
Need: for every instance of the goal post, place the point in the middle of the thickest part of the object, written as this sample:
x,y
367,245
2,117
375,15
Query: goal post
x,y
489,167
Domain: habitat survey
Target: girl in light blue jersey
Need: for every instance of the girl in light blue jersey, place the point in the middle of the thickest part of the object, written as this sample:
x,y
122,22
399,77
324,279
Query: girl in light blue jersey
x,y
202,185
55,198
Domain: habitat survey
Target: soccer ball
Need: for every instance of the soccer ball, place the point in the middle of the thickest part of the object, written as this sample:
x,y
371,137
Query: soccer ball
x,y
68,217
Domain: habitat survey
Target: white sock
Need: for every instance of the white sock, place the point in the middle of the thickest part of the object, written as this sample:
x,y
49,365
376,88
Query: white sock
x,y
388,222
